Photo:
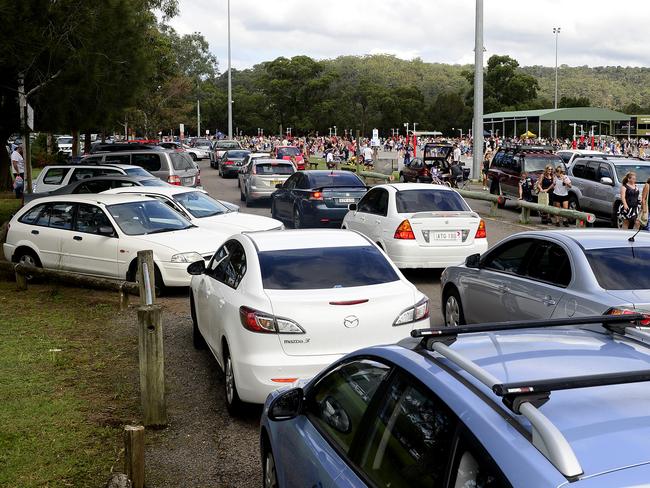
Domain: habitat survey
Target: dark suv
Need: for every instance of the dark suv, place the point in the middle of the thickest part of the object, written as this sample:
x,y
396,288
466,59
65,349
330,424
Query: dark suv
x,y
510,162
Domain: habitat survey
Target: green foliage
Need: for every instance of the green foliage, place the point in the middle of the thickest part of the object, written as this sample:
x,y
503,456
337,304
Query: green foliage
x,y
568,102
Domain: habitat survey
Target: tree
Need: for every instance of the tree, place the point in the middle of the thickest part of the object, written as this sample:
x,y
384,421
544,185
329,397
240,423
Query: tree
x,y
568,102
448,112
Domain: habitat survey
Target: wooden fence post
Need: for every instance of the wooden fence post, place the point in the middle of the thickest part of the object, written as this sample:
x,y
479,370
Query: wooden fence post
x,y
147,297
134,454
21,281
152,365
124,298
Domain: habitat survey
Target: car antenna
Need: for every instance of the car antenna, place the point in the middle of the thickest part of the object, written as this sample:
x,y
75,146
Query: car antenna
x,y
631,239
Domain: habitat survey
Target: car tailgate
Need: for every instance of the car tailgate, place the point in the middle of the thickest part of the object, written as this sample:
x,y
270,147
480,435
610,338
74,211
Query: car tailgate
x,y
434,229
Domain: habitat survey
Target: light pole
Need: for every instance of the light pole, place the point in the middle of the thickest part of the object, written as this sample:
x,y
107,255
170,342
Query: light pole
x,y
330,132
229,81
477,151
556,31
334,131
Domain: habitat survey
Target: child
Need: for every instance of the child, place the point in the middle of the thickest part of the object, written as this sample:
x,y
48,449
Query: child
x,y
525,187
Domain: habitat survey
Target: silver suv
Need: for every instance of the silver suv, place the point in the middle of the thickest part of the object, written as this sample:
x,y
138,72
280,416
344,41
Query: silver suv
x,y
259,179
596,184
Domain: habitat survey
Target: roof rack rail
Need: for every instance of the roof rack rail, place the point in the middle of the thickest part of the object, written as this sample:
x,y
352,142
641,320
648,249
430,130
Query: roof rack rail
x,y
525,398
610,156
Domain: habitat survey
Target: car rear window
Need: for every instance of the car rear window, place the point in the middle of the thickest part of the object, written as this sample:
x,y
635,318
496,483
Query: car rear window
x,y
237,154
642,171
621,268
136,172
181,161
288,151
227,145
274,169
538,163
334,179
324,268
432,200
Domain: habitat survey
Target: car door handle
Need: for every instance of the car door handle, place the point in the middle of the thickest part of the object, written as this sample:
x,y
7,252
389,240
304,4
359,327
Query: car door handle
x,y
77,238
548,300
35,232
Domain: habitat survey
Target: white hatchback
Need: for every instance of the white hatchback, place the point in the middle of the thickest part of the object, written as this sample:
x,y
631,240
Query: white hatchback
x,y
419,225
100,235
276,307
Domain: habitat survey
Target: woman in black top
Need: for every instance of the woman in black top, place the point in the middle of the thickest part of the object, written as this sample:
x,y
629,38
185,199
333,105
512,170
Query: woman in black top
x,y
629,209
545,184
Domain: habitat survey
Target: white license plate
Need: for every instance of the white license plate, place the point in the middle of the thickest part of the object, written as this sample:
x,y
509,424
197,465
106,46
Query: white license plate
x,y
275,182
346,200
447,236
188,181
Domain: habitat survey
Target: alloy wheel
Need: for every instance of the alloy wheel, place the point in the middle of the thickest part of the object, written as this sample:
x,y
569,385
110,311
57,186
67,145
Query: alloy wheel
x,y
452,312
230,381
27,259
270,476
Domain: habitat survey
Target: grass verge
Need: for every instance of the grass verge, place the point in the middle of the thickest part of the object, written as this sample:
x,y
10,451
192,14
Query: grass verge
x,y
66,386
9,204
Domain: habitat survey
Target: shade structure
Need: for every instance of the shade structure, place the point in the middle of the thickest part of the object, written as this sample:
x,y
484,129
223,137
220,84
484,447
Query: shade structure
x,y
528,135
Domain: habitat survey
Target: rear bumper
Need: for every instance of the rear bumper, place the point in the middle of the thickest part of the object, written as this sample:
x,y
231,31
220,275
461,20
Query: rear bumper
x,y
408,254
259,193
230,170
323,216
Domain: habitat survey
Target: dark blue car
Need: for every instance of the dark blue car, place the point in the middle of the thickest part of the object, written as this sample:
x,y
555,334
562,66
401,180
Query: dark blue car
x,y
316,198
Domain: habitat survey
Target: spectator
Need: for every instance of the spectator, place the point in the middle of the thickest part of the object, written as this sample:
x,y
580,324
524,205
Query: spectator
x,y
456,158
544,187
18,170
629,209
561,187
487,158
526,187
645,196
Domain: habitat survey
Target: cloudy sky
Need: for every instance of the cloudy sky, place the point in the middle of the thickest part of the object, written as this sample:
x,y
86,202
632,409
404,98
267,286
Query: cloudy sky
x,y
594,32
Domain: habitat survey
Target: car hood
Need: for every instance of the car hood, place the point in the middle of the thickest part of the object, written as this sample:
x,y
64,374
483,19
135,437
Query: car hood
x,y
235,222
189,240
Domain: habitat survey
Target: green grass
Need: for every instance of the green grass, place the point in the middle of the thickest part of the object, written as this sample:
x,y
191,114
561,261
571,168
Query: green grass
x,y
9,204
61,412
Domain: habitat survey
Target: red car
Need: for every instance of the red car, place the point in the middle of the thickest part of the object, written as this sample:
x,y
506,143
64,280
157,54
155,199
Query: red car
x,y
287,152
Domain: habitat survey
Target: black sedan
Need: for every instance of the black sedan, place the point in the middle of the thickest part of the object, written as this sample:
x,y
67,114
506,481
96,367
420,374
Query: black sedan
x,y
316,198
98,185
231,162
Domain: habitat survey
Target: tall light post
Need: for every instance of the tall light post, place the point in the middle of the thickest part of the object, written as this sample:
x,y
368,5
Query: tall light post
x,y
229,81
334,131
477,151
556,31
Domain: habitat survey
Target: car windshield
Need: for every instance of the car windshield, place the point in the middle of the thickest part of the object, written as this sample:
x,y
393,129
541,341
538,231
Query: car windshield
x,y
274,169
409,201
181,161
642,171
535,163
288,151
317,180
324,268
621,268
236,154
137,171
200,204
227,145
64,140
147,217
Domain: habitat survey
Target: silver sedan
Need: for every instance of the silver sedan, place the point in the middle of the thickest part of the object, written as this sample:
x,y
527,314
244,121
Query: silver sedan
x,y
550,274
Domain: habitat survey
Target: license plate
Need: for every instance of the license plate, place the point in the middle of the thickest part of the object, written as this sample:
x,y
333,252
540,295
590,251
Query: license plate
x,y
447,236
275,182
346,200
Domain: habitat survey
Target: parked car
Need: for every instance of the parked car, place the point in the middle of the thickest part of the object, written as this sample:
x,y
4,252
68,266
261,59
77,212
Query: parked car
x,y
596,184
98,184
509,162
221,146
100,235
198,207
231,162
569,155
174,167
259,178
550,274
471,407
419,225
316,198
415,172
64,143
288,152
100,147
250,158
274,307
57,176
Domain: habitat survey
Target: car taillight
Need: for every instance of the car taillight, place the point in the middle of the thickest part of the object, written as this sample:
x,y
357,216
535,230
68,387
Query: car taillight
x,y
419,311
265,323
626,311
481,233
316,195
404,231
229,162
174,180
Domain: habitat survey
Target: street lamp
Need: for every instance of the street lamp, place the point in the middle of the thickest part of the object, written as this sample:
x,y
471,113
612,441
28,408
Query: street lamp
x,y
334,131
330,132
556,31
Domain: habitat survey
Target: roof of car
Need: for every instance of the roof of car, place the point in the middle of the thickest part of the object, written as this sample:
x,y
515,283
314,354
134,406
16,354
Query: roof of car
x,y
580,151
162,190
89,166
305,239
415,186
594,238
107,199
285,162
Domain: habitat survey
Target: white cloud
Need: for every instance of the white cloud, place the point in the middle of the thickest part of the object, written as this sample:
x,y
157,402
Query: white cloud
x,y
593,33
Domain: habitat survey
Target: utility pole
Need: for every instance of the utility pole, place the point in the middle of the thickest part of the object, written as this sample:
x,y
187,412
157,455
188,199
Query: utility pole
x,y
24,125
229,80
477,151
198,118
556,31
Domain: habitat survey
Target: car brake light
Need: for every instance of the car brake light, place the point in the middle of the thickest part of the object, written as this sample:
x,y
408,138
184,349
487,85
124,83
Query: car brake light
x,y
229,162
404,231
419,311
626,311
481,233
174,180
264,323
283,380
316,195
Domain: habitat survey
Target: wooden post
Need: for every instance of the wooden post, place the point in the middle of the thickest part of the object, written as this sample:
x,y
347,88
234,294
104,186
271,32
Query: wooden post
x,y
21,281
134,454
146,257
152,365
124,298
524,218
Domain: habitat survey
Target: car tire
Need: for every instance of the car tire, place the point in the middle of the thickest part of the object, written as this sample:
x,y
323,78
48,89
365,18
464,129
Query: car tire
x,y
296,222
194,158
28,257
233,403
197,338
617,219
453,309
269,472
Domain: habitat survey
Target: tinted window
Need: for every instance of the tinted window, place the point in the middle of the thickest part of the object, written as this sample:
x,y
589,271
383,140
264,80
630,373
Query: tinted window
x,y
92,160
118,159
642,171
226,144
31,216
408,201
93,187
537,163
236,154
61,215
181,161
509,257
410,439
200,204
590,171
321,268
549,263
90,219
604,171
566,157
621,268
54,176
137,172
579,170
83,173
288,152
228,265
496,161
339,400
149,162
317,180
371,202
273,169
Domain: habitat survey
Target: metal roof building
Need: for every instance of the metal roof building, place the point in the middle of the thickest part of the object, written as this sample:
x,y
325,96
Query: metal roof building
x,y
532,119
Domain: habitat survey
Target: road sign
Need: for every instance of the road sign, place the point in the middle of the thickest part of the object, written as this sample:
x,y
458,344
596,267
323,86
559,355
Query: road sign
x,y
30,117
375,138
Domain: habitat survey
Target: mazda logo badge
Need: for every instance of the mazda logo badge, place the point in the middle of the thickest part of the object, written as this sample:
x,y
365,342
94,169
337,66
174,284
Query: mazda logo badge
x,y
351,322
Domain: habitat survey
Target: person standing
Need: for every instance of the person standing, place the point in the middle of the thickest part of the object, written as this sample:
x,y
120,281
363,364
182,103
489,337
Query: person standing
x,y
526,187
487,158
561,187
456,157
630,200
645,200
18,170
544,187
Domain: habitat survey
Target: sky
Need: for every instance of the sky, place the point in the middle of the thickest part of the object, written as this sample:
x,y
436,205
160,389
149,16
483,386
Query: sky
x,y
593,33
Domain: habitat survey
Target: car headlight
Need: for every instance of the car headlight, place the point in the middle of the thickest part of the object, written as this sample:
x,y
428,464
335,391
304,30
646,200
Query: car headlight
x,y
186,257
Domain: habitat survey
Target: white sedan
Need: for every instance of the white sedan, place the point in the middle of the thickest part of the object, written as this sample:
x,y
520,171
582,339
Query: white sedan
x,y
276,307
100,235
202,210
419,225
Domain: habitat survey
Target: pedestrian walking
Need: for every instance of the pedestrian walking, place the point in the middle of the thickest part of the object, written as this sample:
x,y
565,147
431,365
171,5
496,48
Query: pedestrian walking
x,y
629,209
18,170
544,187
561,186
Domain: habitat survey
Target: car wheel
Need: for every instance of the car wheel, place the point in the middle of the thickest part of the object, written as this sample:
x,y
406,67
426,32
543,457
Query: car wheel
x,y
617,218
29,258
297,218
233,403
401,178
193,156
453,310
159,284
197,337
270,476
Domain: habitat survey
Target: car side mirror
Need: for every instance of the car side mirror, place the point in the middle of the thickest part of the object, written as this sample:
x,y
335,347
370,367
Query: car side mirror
x,y
352,207
606,180
106,230
473,261
196,268
278,186
287,405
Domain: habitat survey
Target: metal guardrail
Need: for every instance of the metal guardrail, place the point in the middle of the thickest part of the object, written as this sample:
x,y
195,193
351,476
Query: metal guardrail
x,y
581,218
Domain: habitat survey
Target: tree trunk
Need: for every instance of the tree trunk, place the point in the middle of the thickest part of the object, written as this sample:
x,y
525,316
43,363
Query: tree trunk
x,y
49,143
87,143
75,142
